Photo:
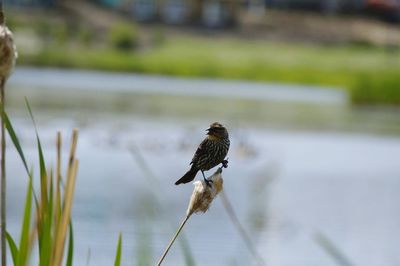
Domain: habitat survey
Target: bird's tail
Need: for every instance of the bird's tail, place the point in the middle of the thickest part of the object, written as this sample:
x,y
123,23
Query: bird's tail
x,y
189,176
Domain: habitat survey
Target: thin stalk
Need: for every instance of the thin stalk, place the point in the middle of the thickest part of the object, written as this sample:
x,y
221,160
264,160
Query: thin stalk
x,y
235,220
3,173
62,226
173,240
59,241
57,205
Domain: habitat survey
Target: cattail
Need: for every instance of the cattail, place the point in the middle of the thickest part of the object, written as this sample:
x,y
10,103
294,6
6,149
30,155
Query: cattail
x,y
8,55
8,52
200,201
203,195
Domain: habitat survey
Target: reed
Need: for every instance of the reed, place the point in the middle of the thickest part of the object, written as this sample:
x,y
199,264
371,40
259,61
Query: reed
x,y
52,209
8,56
200,202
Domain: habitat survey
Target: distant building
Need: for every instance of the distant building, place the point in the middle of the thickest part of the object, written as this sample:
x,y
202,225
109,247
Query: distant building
x,y
331,6
44,3
216,13
210,13
387,9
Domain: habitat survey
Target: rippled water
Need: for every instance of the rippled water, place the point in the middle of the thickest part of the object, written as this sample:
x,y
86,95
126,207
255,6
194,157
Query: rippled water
x,y
287,187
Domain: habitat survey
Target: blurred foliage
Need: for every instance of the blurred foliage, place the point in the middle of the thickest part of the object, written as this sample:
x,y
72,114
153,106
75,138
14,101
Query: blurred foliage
x,y
60,34
123,36
85,36
352,67
381,88
159,37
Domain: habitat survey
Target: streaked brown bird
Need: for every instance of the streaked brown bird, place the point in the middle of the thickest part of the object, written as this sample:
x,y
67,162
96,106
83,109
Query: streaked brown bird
x,y
211,152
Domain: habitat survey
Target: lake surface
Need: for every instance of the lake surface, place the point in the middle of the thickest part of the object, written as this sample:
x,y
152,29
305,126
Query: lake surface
x,y
286,187
290,185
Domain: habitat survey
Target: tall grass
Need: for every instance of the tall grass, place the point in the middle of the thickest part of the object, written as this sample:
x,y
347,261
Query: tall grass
x,y
8,55
47,214
380,87
3,174
52,223
117,261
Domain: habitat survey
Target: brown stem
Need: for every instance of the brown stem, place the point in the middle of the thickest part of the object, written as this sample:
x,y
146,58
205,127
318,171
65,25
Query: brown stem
x,y
173,240
3,178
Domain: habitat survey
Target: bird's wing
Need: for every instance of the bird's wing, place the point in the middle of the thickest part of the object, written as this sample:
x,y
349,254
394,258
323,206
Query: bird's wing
x,y
200,152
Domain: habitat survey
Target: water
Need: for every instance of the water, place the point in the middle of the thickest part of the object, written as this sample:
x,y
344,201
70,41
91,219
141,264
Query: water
x,y
302,164
286,188
102,81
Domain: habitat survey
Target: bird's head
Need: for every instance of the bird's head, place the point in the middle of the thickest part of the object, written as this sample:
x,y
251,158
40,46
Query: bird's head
x,y
216,130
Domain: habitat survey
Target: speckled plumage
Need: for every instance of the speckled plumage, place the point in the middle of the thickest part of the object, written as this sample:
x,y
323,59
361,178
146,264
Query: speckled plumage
x,y
211,152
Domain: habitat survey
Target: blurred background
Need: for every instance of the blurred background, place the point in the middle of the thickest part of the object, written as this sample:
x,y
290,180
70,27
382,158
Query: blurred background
x,y
308,89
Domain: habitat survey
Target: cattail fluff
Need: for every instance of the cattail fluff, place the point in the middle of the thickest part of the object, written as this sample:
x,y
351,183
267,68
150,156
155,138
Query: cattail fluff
x,y
200,201
203,195
8,52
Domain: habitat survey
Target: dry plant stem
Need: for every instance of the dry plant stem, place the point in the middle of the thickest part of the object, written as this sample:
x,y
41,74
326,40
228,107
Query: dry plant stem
x,y
58,176
173,240
62,225
3,175
72,151
65,218
232,215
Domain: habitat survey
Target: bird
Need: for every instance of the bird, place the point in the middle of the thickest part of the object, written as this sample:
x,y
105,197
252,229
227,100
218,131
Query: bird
x,y
211,152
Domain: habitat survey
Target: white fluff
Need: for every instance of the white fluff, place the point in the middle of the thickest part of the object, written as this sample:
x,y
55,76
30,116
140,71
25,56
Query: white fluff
x,y
203,195
8,52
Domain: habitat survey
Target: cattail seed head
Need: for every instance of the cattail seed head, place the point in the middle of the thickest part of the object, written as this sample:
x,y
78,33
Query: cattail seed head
x,y
203,195
8,52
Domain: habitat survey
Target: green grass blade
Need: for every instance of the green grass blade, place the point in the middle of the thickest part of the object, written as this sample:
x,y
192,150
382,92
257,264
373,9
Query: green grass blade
x,y
15,140
70,253
25,231
45,248
45,227
41,157
43,177
13,248
119,251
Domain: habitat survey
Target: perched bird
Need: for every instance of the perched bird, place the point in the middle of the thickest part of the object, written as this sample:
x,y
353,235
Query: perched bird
x,y
211,152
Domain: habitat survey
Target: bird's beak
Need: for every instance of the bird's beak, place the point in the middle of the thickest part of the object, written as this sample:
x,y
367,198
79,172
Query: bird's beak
x,y
208,131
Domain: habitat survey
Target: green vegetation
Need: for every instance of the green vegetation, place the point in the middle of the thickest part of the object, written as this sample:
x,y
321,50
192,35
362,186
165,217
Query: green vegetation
x,y
117,261
379,87
50,220
52,208
369,73
123,37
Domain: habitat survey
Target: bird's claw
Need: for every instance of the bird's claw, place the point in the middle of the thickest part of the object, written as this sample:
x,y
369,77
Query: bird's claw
x,y
225,163
208,182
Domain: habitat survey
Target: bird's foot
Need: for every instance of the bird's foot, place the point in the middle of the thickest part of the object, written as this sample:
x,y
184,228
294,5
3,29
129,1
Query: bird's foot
x,y
208,182
225,163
